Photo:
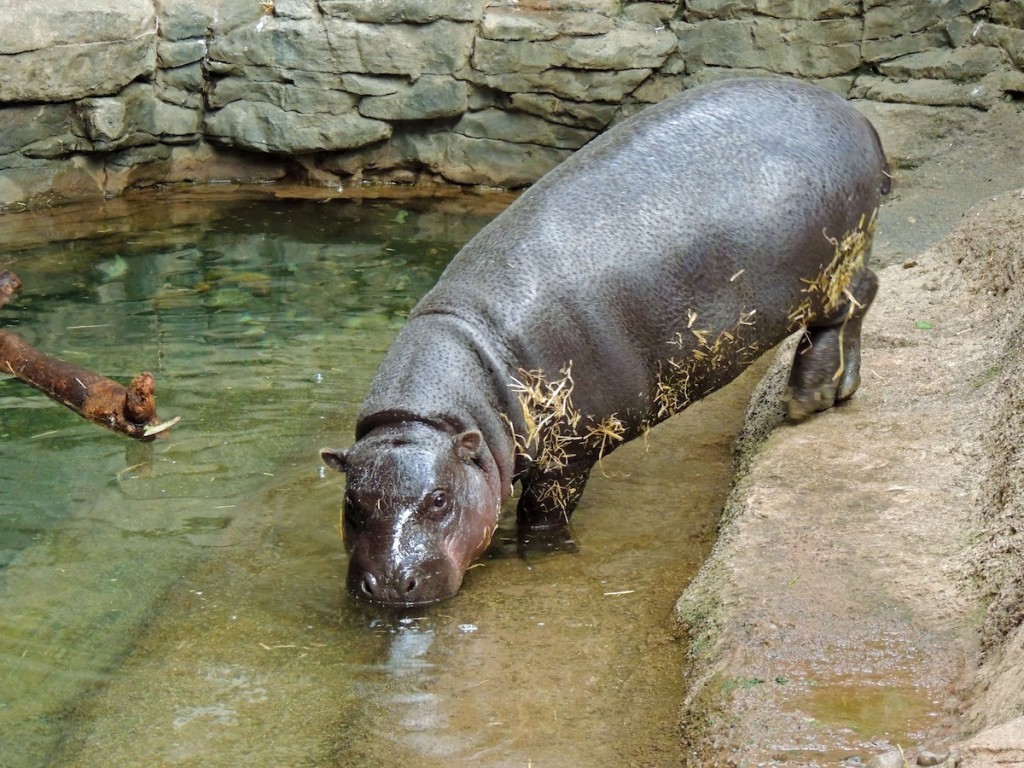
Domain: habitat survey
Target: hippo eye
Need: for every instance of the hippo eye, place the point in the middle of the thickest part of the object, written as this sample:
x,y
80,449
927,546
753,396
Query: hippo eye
x,y
353,513
437,502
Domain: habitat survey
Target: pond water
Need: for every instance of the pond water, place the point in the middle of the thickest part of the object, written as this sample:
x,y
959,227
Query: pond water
x,y
183,603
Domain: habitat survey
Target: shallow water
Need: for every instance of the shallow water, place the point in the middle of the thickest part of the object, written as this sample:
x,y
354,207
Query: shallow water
x,y
182,603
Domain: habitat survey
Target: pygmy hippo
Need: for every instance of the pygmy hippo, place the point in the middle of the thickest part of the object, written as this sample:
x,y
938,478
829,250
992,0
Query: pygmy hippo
x,y
643,273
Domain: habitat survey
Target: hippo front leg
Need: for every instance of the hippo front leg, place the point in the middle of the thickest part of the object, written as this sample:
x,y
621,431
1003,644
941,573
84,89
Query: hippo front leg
x,y
826,366
549,498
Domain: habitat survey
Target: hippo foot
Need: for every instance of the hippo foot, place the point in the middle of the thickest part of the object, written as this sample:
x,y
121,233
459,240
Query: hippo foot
x,y
822,375
548,499
801,404
826,366
545,541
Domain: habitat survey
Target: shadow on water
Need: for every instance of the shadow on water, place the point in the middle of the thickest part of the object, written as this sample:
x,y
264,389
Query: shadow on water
x,y
183,603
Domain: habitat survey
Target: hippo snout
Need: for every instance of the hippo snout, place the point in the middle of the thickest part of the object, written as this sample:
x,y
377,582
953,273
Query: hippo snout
x,y
398,589
426,582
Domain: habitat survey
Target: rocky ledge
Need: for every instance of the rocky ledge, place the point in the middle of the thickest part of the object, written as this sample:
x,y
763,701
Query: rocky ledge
x,y
869,566
96,97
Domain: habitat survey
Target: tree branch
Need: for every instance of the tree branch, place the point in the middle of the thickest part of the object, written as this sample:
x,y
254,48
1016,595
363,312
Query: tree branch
x,y
128,410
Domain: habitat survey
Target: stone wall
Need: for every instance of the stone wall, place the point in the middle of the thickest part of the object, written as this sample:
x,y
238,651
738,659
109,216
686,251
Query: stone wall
x,y
98,96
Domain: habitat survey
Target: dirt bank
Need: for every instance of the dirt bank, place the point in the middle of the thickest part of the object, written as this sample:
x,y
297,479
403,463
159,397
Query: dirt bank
x,y
866,594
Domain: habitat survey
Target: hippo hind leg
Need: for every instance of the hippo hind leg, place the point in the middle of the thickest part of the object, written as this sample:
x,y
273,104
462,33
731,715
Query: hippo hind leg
x,y
549,498
826,366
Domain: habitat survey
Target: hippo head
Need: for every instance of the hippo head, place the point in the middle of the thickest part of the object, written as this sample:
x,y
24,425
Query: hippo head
x,y
420,505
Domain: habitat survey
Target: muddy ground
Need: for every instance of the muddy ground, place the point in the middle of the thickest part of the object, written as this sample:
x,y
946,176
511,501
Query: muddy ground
x,y
865,598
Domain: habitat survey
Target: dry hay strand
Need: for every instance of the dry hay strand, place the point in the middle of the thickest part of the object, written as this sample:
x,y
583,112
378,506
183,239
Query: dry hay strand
x,y
672,387
832,284
607,432
549,416
675,379
560,496
604,435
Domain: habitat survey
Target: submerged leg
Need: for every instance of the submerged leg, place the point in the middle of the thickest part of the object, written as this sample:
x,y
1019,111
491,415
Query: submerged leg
x,y
548,499
826,366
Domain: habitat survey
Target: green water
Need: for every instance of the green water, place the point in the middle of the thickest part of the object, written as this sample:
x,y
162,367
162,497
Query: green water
x,y
183,603
262,323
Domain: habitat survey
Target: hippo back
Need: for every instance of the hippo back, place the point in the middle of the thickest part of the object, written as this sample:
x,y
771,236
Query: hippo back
x,y
706,211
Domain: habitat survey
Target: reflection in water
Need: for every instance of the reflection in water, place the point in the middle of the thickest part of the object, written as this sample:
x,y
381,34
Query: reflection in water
x,y
415,712
183,603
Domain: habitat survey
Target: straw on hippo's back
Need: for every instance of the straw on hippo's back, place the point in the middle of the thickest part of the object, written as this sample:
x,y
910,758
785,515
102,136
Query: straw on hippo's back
x,y
637,277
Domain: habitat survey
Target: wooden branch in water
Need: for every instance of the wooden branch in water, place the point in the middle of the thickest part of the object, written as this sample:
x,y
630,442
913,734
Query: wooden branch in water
x,y
9,285
128,410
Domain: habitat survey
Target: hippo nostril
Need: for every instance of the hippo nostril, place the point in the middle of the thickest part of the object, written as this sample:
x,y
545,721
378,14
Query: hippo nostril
x,y
368,585
408,583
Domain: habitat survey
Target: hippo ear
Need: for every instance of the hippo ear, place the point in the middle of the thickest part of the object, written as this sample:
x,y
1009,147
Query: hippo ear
x,y
467,444
334,458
